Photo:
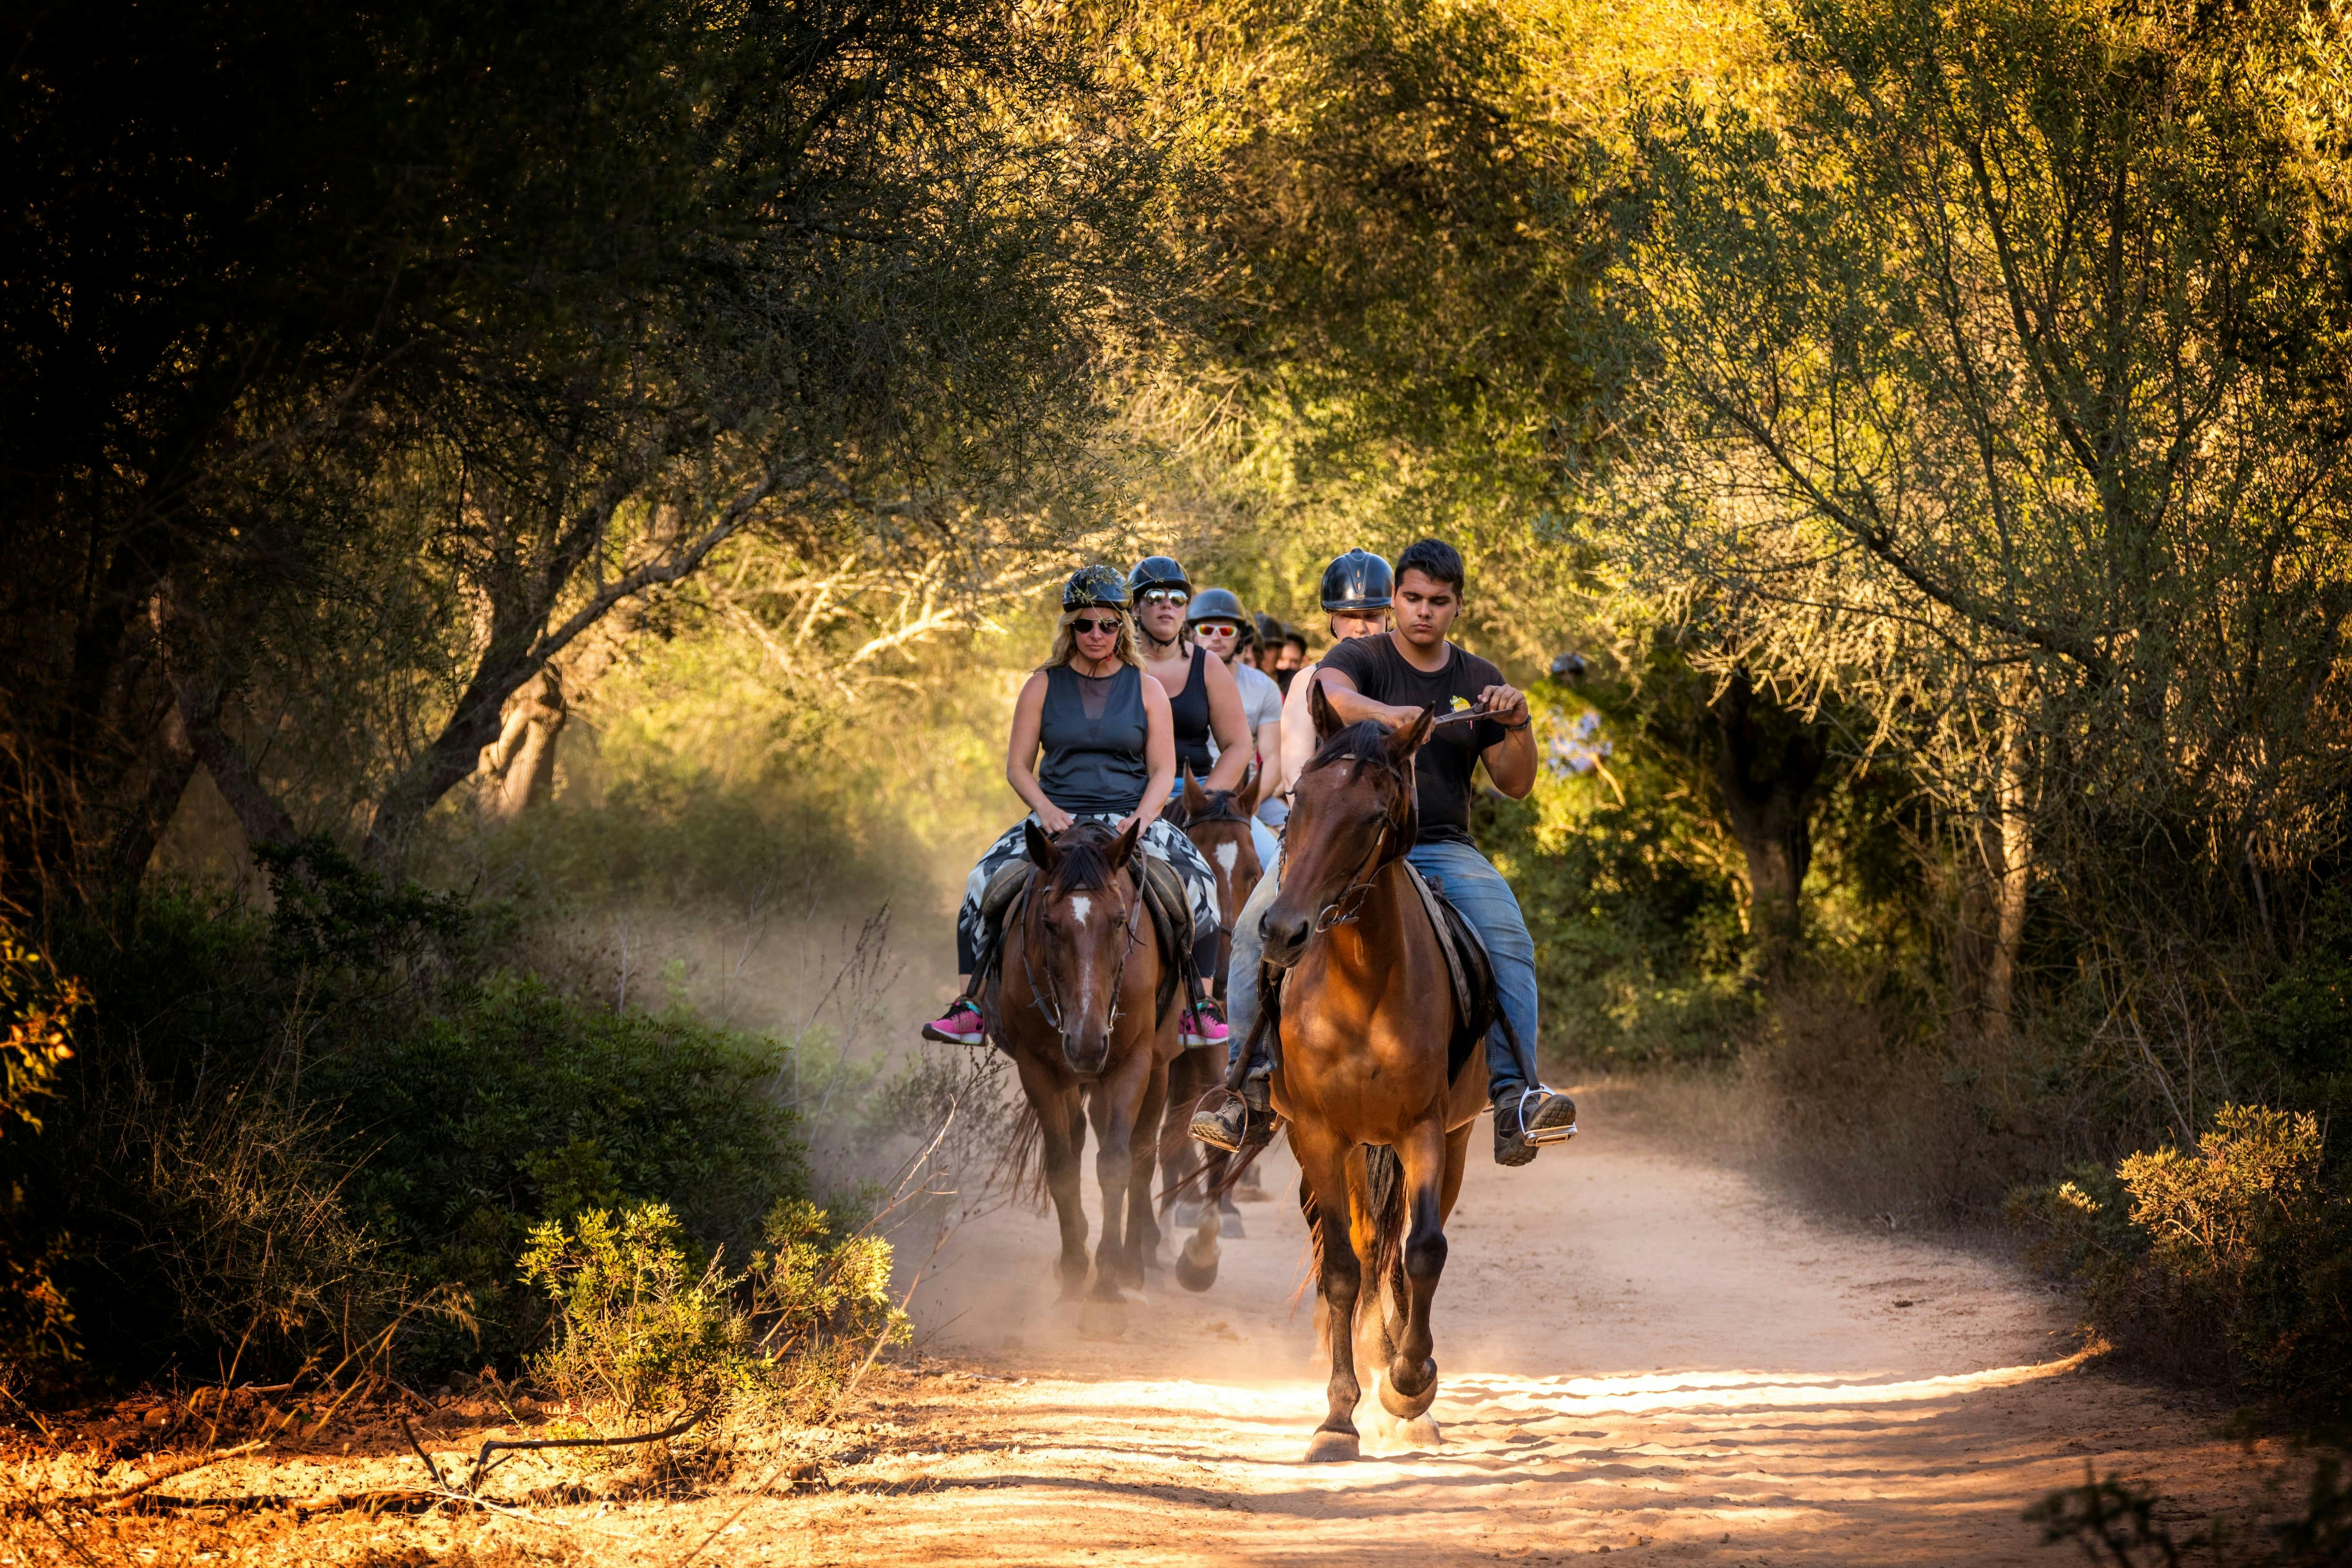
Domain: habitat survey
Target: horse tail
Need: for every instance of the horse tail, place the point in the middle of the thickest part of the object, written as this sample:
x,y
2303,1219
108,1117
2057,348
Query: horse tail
x,y
1020,1171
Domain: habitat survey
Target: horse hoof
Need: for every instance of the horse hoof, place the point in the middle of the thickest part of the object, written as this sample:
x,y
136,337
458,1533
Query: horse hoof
x,y
1196,1266
1329,1448
1420,1432
1409,1406
1231,1228
1102,1321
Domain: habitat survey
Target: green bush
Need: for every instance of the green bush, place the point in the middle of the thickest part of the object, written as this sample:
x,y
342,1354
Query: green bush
x,y
276,1130
2232,1263
643,1338
37,1010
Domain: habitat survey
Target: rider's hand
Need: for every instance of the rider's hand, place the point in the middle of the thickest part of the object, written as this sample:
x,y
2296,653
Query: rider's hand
x,y
1053,819
1505,704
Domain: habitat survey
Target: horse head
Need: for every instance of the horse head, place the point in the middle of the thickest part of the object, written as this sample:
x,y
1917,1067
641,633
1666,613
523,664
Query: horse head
x,y
1218,823
1077,930
1351,812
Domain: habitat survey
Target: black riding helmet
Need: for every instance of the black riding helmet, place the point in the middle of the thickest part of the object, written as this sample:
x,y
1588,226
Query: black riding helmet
x,y
1157,572
1358,580
1215,604
1094,586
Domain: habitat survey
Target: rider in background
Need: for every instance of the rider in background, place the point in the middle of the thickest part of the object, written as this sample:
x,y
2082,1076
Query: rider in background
x,y
1393,680
1201,698
1092,736
1217,625
1356,592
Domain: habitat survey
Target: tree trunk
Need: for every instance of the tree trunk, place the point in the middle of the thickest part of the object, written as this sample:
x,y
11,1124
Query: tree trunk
x,y
518,768
1765,766
2015,823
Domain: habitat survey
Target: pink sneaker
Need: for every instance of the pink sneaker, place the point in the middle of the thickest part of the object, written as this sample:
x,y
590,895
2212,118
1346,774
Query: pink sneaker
x,y
963,1026
1203,1027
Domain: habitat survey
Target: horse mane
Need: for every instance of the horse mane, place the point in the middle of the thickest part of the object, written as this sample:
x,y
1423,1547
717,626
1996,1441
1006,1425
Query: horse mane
x,y
1365,741
1085,863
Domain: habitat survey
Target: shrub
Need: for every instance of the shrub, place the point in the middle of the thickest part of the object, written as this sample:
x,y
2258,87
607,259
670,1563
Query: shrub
x,y
38,1008
643,1338
2232,1263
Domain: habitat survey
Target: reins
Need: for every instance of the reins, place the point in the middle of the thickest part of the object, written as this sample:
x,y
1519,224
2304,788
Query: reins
x,y
1349,906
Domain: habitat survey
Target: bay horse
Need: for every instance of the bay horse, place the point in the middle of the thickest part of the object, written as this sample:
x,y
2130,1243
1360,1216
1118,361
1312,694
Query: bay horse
x,y
1080,999
1374,1071
1218,823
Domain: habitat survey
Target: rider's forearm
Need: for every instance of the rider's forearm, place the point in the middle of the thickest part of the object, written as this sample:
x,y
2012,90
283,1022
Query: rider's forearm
x,y
1512,765
1155,795
1024,785
1354,707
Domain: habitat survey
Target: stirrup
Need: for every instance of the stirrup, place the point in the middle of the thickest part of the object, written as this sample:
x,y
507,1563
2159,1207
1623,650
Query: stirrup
x,y
1542,1137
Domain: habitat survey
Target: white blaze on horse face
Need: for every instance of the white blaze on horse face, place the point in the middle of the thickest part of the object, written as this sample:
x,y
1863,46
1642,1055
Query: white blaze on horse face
x,y
1079,905
1228,854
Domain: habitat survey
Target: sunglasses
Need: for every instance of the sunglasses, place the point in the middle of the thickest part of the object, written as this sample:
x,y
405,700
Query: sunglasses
x,y
1087,625
1165,596
1215,629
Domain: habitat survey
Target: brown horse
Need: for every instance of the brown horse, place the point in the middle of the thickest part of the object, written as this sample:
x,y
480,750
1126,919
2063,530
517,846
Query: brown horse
x,y
1218,823
1080,1000
1369,1039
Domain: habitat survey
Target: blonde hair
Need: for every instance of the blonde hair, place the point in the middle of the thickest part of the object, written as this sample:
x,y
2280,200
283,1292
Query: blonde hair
x,y
1066,637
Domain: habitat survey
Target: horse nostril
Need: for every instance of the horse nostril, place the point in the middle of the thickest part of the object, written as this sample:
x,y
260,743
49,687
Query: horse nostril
x,y
1285,935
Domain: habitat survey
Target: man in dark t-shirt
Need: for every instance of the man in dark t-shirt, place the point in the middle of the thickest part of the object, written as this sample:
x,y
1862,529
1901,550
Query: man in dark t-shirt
x,y
1393,678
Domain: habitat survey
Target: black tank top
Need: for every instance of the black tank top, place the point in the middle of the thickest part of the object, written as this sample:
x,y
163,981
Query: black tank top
x,y
1093,731
1189,710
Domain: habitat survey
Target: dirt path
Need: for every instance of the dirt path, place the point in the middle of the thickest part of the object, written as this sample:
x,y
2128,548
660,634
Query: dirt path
x,y
1637,1353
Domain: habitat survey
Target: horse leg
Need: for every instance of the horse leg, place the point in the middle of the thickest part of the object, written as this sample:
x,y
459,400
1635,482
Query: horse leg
x,y
1188,1080
1323,1166
1065,1128
1113,1114
1142,1225
1411,1381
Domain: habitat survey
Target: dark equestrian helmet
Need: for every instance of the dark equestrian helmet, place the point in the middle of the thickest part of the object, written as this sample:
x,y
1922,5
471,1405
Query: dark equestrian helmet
x,y
1094,586
1157,572
1215,604
1269,630
1358,580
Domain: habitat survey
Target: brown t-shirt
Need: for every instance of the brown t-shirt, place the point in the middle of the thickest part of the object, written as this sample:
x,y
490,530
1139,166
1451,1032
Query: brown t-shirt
x,y
1443,766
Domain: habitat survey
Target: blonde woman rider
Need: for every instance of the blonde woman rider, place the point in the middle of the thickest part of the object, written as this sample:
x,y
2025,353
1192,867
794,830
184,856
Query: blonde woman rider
x,y
1092,736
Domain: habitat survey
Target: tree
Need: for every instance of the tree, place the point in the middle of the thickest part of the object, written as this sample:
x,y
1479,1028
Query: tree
x,y
1995,382
519,314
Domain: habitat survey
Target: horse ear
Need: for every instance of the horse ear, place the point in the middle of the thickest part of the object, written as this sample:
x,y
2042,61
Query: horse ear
x,y
1326,720
1245,797
1196,801
1124,850
1041,852
1404,742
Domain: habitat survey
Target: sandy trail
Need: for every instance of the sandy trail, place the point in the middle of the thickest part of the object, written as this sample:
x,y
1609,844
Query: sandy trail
x,y
1637,1353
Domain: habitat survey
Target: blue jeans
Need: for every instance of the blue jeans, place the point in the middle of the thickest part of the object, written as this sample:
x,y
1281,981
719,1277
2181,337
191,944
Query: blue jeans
x,y
1485,901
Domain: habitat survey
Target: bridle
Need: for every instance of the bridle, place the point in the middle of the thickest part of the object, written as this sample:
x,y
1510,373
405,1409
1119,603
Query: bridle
x,y
1349,906
1049,1002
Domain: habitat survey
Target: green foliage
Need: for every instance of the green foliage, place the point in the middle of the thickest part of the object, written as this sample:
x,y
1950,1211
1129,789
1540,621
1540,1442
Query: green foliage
x,y
2232,1262
641,1337
515,1103
39,1009
284,1129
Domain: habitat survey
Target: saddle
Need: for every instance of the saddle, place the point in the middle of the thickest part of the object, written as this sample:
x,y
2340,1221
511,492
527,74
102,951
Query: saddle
x,y
1165,897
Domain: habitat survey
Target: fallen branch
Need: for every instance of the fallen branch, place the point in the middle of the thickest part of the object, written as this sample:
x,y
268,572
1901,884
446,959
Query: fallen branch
x,y
423,1457
176,1469
482,1465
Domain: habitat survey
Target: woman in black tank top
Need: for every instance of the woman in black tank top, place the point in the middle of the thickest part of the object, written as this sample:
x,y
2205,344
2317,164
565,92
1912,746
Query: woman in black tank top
x,y
1202,699
1092,736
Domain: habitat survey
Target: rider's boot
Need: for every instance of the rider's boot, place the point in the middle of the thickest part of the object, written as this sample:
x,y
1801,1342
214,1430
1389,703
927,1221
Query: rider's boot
x,y
1527,1119
1205,1024
962,1025
1246,1121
